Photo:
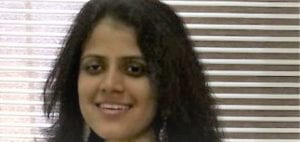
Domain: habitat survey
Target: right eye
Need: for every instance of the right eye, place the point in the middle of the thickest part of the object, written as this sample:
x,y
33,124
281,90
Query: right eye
x,y
93,68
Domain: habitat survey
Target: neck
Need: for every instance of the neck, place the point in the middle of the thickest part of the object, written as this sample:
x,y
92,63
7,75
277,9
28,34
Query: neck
x,y
148,136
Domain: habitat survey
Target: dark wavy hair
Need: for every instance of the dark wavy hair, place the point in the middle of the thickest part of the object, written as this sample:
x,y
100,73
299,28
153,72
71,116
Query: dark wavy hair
x,y
175,72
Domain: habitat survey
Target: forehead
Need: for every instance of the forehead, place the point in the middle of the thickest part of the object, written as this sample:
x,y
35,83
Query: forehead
x,y
111,37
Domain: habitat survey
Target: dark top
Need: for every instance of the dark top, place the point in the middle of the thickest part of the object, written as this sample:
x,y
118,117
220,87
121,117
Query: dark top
x,y
93,137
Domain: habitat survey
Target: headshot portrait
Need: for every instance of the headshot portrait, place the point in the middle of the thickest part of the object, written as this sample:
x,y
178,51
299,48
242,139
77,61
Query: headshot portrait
x,y
149,71
128,72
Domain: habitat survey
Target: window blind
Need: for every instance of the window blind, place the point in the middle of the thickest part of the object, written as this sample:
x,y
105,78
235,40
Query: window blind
x,y
250,50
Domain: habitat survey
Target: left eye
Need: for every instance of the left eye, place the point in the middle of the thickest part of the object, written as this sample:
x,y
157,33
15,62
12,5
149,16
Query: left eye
x,y
135,70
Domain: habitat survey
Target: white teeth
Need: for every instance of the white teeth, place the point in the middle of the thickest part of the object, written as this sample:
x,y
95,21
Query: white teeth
x,y
114,106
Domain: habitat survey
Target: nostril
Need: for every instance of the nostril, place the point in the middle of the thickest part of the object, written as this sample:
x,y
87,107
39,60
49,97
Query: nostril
x,y
103,90
97,104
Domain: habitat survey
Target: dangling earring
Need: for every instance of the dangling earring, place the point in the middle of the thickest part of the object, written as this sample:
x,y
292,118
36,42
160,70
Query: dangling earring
x,y
163,136
86,133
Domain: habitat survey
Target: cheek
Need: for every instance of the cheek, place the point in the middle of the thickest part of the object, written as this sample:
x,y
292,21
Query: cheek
x,y
150,108
82,92
141,90
86,91
148,113
144,96
86,88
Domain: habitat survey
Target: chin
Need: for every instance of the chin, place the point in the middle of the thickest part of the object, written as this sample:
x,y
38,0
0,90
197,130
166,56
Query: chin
x,y
112,134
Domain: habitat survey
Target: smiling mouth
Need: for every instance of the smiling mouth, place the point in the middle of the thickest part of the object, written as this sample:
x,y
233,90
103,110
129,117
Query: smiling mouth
x,y
113,108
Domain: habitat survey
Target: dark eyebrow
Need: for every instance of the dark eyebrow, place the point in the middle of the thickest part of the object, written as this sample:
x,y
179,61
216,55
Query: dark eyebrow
x,y
133,58
101,57
92,56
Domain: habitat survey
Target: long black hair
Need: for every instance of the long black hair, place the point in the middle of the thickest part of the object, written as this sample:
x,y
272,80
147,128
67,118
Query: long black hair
x,y
175,72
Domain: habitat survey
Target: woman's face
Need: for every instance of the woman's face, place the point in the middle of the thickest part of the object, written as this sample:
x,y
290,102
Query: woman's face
x,y
115,95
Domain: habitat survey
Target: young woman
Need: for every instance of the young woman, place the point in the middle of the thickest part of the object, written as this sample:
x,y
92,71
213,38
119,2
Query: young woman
x,y
128,73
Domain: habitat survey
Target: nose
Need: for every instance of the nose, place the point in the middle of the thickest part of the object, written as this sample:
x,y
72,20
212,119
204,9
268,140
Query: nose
x,y
112,82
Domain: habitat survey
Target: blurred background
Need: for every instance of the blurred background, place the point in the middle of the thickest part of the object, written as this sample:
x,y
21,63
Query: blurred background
x,y
250,49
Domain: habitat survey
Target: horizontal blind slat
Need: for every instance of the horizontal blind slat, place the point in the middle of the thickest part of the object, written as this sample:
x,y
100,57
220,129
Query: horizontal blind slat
x,y
232,3
193,37
196,3
182,14
257,107
205,61
253,96
212,84
238,15
190,26
261,140
216,95
251,73
207,72
262,130
241,27
259,119
245,38
245,50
